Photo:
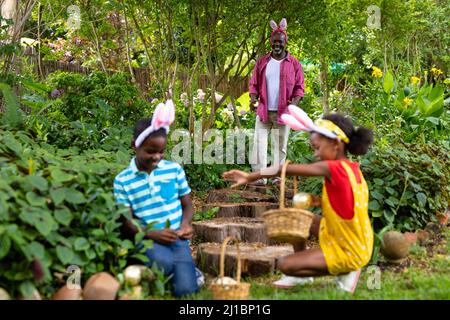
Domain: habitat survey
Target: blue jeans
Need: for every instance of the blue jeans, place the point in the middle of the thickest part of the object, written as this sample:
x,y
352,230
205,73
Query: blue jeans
x,y
176,260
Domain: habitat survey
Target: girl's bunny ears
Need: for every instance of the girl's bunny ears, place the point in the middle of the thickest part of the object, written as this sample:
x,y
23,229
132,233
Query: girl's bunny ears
x,y
278,29
299,120
163,117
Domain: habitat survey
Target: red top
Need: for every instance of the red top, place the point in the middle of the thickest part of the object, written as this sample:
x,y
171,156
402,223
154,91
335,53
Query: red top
x,y
339,189
291,85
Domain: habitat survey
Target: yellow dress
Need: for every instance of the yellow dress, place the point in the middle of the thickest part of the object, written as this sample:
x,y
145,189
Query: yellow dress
x,y
347,244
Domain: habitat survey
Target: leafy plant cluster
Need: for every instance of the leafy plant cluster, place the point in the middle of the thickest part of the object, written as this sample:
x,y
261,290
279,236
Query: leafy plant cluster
x,y
57,210
87,111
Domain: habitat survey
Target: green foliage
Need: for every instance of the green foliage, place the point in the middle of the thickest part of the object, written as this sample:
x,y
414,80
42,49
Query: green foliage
x,y
13,116
98,98
408,183
205,215
57,206
85,111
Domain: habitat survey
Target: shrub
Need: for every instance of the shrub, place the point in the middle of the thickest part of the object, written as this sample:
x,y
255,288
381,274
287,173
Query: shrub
x,y
408,183
57,210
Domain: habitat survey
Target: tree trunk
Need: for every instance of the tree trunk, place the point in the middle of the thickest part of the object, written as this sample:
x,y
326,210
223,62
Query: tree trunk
x,y
127,44
324,83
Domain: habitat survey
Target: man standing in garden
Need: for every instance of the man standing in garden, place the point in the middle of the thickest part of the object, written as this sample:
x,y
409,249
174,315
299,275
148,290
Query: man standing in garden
x,y
276,82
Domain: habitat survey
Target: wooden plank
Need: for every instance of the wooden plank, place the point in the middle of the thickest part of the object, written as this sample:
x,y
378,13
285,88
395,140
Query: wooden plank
x,y
256,258
244,209
236,196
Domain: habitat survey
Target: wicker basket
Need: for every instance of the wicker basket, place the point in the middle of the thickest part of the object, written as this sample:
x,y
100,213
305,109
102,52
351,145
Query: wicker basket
x,y
287,224
238,291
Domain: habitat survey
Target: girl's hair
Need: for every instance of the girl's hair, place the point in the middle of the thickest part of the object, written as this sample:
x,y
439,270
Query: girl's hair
x,y
143,124
360,138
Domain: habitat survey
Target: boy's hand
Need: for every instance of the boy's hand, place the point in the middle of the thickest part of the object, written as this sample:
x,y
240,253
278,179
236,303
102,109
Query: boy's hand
x,y
237,176
165,236
185,232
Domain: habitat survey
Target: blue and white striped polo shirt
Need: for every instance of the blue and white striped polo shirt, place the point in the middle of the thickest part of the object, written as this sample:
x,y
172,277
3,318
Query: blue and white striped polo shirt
x,y
154,197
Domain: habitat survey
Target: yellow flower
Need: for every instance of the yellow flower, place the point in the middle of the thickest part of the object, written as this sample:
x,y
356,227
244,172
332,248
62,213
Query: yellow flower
x,y
436,72
407,101
377,73
415,80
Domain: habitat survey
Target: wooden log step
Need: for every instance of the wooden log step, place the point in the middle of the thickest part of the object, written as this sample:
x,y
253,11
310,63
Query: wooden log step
x,y
273,191
256,258
243,229
243,209
237,196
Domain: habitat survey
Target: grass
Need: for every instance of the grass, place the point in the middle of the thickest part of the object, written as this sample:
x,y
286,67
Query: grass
x,y
424,275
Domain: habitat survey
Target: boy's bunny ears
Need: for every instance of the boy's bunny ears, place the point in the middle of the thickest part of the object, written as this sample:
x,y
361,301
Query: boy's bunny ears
x,y
279,29
163,117
299,120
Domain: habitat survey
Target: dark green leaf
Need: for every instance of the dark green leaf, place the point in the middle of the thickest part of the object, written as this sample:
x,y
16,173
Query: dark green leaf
x,y
64,254
27,289
81,244
60,176
74,196
5,245
35,200
63,216
38,182
374,205
378,182
57,195
422,198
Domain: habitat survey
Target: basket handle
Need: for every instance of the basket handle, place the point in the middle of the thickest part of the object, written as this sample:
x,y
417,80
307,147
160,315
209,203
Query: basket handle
x,y
222,258
283,182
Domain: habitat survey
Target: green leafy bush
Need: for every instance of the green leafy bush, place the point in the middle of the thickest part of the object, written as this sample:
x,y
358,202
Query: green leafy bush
x,y
408,183
86,111
57,208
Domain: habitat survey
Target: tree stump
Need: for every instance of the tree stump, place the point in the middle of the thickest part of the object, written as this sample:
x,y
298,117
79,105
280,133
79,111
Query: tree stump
x,y
244,209
256,258
236,196
243,229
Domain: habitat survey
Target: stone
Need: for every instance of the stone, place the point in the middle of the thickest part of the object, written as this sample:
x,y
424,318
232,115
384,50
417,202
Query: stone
x,y
4,295
395,246
411,237
422,236
433,228
443,218
66,293
101,286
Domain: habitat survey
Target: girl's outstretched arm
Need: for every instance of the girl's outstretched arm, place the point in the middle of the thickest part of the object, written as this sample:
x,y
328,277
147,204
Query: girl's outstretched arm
x,y
307,170
315,169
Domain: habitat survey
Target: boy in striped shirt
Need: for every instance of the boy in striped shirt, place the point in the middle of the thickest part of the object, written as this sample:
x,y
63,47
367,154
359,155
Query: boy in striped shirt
x,y
156,191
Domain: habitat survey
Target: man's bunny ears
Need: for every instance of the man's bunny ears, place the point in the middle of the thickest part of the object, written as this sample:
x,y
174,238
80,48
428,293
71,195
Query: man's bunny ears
x,y
278,29
283,24
163,117
299,120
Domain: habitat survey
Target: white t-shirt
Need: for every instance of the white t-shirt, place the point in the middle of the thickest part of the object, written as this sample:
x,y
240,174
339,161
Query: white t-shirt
x,y
273,83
